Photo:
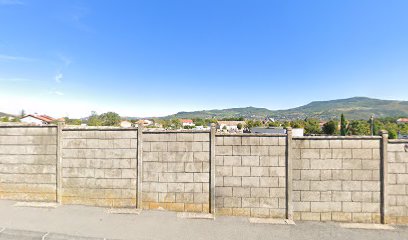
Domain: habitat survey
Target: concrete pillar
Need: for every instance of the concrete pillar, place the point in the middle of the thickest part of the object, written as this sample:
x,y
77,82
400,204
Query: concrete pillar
x,y
60,126
139,169
289,174
384,175
212,169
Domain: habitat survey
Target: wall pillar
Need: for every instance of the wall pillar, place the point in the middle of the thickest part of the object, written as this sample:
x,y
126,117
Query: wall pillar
x,y
289,174
212,169
139,167
58,174
384,175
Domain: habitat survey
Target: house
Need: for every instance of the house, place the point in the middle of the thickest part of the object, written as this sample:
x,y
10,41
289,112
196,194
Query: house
x,y
125,124
34,119
229,125
145,122
402,120
187,122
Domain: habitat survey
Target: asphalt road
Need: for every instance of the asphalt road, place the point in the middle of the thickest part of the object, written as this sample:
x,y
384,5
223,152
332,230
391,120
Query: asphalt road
x,y
79,222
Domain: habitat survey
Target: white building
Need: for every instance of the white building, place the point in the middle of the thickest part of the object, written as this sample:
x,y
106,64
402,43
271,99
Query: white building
x,y
125,124
38,119
230,125
187,122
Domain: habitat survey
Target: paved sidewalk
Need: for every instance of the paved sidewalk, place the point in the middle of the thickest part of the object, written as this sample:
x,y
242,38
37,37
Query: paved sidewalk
x,y
64,222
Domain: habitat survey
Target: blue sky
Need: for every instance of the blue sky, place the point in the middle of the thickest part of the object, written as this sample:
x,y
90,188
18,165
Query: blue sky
x,y
153,58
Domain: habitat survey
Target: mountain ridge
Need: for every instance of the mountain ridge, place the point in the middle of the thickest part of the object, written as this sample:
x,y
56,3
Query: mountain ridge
x,y
352,108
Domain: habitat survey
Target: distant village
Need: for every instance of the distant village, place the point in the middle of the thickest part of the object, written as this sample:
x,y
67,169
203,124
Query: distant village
x,y
397,127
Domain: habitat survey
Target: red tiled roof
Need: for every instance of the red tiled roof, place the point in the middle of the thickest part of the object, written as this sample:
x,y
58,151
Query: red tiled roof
x,y
186,120
405,120
44,118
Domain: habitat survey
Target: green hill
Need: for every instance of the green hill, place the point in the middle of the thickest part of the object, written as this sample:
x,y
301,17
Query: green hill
x,y
353,108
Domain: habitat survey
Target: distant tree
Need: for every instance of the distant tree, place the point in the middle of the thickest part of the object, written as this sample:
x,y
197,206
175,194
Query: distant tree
x,y
297,123
239,126
312,126
258,123
5,119
359,127
249,124
343,126
330,127
176,123
94,119
274,124
70,121
110,119
224,128
22,114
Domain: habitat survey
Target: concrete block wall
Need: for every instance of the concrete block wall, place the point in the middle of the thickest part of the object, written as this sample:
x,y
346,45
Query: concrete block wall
x,y
336,179
176,171
349,179
397,209
99,167
28,163
250,175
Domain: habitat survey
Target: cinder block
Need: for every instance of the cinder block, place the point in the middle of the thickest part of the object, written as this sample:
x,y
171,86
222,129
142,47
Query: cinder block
x,y
277,150
184,197
310,216
351,143
326,164
185,137
259,171
351,185
268,203
232,202
241,171
325,206
342,175
250,160
271,141
370,207
325,185
319,143
223,171
232,141
260,150
310,153
241,211
249,140
269,161
193,167
362,175
232,160
310,174
338,196
232,181
341,217
250,182
277,171
370,186
175,167
224,151
341,153
241,192
310,196
301,185
352,164
259,192
351,206
371,144
201,177
268,182
250,202
260,212
201,137
363,153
